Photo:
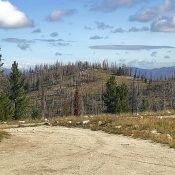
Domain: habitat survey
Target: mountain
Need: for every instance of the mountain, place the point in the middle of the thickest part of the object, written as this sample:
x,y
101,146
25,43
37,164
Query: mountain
x,y
154,73
7,71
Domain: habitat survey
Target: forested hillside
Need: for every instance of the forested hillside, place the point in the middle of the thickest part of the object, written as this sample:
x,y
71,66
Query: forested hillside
x,y
81,88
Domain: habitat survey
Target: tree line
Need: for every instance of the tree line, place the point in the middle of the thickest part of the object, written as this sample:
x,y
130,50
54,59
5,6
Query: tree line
x,y
60,90
13,99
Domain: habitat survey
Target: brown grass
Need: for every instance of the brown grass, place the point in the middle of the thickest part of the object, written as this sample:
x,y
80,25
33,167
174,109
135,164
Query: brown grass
x,y
3,134
147,127
158,127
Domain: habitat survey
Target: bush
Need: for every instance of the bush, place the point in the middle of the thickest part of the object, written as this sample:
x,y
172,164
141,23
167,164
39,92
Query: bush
x,y
36,113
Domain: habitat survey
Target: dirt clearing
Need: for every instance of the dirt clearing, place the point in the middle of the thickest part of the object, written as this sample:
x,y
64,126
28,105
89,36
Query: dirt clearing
x,y
63,151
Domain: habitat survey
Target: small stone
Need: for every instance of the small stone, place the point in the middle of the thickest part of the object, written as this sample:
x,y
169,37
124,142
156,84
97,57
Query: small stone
x,y
154,132
47,124
21,122
169,137
100,123
86,122
118,127
86,116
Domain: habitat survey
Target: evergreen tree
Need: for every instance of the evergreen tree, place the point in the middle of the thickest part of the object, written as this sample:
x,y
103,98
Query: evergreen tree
x,y
144,105
123,102
116,97
17,92
1,64
1,73
36,113
5,103
6,110
110,95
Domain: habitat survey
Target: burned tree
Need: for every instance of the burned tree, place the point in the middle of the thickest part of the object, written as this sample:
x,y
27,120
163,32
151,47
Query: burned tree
x,y
77,104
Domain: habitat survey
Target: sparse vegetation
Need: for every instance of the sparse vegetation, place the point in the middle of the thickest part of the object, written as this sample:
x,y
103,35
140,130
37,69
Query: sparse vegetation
x,y
157,127
79,89
161,130
3,134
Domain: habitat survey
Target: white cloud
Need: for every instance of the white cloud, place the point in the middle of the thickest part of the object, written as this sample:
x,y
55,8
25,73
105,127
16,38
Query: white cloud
x,y
23,44
130,47
36,30
57,15
148,14
111,5
154,54
96,37
103,26
11,17
164,24
166,57
118,30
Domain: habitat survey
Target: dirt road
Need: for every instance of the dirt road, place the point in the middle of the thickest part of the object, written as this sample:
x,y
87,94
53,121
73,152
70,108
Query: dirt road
x,y
62,151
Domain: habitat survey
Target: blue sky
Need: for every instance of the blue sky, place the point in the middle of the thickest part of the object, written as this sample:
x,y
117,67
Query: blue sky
x,y
135,32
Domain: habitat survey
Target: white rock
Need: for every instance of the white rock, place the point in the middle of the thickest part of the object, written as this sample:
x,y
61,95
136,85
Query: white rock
x,y
118,127
86,116
4,122
86,122
47,124
136,126
69,122
100,123
168,112
21,122
154,131
169,137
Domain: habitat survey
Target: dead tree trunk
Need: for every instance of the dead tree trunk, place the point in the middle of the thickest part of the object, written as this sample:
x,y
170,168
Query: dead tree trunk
x,y
77,105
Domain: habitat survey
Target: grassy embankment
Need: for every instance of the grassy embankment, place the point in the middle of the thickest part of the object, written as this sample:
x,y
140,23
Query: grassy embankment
x,y
148,127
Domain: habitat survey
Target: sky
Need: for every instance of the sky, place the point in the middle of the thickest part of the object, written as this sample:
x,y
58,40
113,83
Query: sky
x,y
138,33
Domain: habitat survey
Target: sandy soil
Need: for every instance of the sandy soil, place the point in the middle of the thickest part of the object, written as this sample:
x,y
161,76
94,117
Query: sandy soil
x,y
62,151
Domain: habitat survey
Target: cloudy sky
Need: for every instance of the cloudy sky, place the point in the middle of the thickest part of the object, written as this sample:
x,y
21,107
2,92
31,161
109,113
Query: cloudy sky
x,y
135,32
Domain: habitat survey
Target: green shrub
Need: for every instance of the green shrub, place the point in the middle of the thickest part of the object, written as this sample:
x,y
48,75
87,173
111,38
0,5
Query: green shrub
x,y
36,113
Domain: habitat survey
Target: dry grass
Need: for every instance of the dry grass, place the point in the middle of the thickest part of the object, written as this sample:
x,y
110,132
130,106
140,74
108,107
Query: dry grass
x,y
158,127
3,134
147,127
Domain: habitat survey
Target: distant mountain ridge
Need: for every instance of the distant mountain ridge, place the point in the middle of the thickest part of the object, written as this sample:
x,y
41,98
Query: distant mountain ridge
x,y
155,73
7,71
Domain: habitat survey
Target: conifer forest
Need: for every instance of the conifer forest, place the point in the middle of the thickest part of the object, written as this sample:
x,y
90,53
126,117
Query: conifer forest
x,y
81,88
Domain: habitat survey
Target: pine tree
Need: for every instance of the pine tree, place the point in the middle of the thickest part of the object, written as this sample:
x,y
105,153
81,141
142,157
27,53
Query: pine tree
x,y
110,95
6,110
5,103
17,93
123,102
116,97
144,105
1,73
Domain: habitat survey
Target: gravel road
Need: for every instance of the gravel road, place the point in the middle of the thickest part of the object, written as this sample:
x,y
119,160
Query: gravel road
x,y
48,150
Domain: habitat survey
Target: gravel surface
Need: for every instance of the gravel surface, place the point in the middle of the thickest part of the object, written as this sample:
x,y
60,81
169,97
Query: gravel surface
x,y
63,151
